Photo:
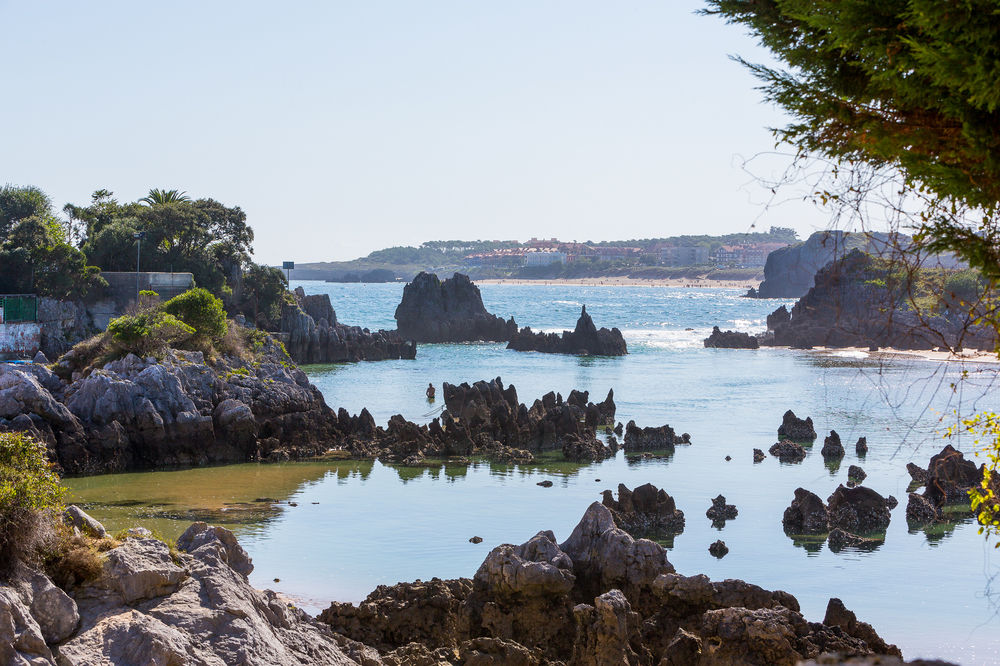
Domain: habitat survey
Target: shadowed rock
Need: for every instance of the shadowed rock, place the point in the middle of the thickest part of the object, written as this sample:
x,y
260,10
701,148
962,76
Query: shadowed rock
x,y
584,340
449,311
646,510
652,439
858,510
731,340
832,448
796,429
807,514
788,451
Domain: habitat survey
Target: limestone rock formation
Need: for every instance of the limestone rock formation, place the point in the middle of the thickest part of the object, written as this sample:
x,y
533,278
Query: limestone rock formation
x,y
585,340
644,511
796,429
861,447
832,448
856,474
758,456
858,510
661,438
312,334
718,549
789,271
600,597
788,451
720,512
731,340
807,514
136,413
449,311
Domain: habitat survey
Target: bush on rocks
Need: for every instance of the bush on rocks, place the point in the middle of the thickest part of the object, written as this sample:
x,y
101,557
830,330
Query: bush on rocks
x,y
28,487
202,311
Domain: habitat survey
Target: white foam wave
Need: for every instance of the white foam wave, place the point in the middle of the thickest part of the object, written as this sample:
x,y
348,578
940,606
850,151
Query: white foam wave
x,y
667,338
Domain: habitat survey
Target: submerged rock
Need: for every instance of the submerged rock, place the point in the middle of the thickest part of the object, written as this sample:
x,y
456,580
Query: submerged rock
x,y
788,451
807,514
832,448
918,475
758,455
718,549
652,439
585,340
720,512
920,510
449,311
856,474
796,429
858,510
839,539
861,448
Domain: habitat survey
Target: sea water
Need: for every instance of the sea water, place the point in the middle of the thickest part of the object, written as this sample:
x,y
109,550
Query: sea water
x,y
338,529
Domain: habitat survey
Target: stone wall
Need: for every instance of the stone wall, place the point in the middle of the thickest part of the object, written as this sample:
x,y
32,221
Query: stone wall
x,y
121,286
19,339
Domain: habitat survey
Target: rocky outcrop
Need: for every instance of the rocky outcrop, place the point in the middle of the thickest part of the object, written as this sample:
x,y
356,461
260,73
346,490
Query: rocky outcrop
x,y
148,605
486,418
789,271
788,451
585,340
449,311
947,481
856,474
136,413
600,597
312,334
731,340
832,448
807,514
758,456
718,549
858,301
858,510
720,512
861,447
796,429
647,510
661,438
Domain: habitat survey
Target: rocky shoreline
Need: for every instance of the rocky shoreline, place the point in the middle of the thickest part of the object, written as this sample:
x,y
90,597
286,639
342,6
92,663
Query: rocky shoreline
x,y
600,597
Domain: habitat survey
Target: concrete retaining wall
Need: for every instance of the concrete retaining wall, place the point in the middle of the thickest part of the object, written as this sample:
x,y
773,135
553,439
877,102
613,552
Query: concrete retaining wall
x,y
20,339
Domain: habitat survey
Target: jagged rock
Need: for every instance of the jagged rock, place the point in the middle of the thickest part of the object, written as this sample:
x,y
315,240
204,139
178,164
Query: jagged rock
x,y
807,514
796,429
920,510
858,510
604,630
449,311
731,340
720,512
585,339
312,334
586,449
832,448
652,439
837,615
210,616
918,474
839,539
229,550
74,516
21,640
646,510
950,476
758,455
718,549
891,502
684,648
788,451
40,358
856,474
861,448
789,271
53,610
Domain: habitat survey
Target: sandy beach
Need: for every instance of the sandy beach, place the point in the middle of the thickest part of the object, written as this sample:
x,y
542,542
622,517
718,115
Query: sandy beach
x,y
967,356
621,281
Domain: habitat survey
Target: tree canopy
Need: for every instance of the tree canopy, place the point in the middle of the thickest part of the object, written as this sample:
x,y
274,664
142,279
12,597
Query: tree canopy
x,y
909,85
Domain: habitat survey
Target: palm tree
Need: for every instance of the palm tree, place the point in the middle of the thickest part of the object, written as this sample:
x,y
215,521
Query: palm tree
x,y
157,196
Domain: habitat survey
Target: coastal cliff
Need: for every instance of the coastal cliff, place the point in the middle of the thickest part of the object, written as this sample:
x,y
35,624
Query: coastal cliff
x,y
140,413
789,271
585,340
449,311
312,334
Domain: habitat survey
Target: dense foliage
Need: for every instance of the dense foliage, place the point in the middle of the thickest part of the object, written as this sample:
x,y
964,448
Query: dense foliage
x,y
35,255
28,486
200,310
147,332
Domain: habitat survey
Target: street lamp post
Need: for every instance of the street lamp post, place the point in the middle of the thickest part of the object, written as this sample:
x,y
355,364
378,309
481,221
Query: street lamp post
x,y
138,236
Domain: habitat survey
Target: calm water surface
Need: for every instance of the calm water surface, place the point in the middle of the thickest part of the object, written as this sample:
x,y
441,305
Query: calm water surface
x,y
356,525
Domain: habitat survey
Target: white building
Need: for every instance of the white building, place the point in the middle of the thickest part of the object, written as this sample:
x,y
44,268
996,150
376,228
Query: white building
x,y
544,258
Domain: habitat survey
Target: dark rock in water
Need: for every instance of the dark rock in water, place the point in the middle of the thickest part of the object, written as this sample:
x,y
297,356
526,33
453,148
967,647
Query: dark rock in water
x,y
718,549
728,458
920,510
796,429
779,316
950,476
311,334
758,455
585,339
449,311
861,448
619,429
600,597
645,510
476,539
788,451
652,439
586,448
789,271
917,474
832,448
544,484
840,539
837,615
720,512
891,502
807,514
858,510
856,474
731,340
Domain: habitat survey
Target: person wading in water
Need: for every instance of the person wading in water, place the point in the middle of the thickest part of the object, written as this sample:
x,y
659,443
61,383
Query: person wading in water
x,y
430,393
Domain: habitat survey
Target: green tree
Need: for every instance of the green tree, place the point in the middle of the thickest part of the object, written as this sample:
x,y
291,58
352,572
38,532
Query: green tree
x,y
200,310
157,197
28,487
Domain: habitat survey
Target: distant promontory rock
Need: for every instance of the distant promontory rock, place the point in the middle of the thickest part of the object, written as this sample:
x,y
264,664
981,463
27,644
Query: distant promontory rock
x,y
789,271
449,311
585,340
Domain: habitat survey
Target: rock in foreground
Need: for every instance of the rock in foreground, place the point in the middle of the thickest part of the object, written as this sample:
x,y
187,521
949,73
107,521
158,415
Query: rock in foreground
x,y
585,340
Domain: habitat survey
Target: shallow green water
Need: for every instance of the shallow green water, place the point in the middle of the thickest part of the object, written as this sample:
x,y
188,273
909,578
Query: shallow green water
x,y
356,525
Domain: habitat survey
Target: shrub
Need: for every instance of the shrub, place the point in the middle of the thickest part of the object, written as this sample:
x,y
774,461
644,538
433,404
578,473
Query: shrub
x,y
202,311
147,332
28,487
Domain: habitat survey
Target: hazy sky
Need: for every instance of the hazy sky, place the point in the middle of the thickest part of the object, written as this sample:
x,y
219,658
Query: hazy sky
x,y
342,127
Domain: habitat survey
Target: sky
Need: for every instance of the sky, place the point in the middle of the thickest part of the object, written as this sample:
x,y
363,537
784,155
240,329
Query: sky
x,y
344,127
